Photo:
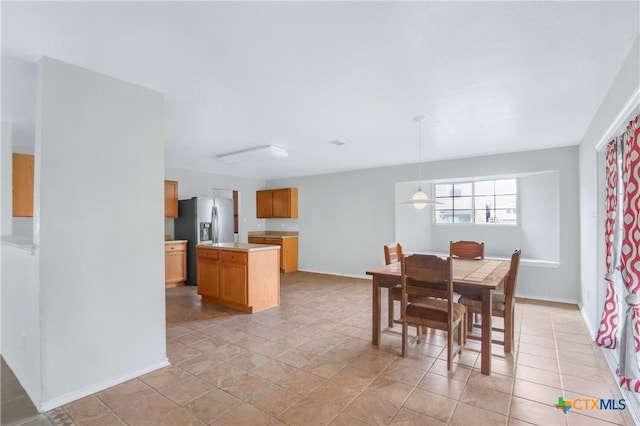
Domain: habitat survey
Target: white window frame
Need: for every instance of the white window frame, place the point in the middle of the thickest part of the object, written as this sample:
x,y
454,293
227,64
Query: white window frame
x,y
473,203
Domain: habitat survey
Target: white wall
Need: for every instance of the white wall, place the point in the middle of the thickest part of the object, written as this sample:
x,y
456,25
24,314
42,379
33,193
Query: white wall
x,y
346,218
608,121
98,225
194,183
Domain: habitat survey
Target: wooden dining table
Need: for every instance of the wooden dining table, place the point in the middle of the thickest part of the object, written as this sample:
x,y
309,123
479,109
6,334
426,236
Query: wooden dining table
x,y
476,278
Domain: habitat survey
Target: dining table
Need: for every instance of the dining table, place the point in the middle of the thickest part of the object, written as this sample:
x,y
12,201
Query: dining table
x,y
476,278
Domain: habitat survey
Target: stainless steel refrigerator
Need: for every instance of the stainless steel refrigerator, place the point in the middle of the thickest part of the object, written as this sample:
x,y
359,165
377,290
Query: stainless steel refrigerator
x,y
203,220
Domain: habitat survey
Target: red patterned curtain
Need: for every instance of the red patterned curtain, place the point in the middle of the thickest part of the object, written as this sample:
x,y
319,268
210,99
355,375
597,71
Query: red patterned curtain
x,y
607,333
630,259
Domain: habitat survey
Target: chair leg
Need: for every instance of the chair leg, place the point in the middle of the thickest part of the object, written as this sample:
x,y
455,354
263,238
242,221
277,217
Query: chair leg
x,y
469,319
508,331
450,349
390,309
404,339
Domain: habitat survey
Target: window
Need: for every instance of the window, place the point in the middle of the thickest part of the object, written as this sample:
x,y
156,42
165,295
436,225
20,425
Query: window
x,y
485,201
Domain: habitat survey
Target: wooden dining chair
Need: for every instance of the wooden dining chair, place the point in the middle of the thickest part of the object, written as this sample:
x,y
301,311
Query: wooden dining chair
x,y
466,249
429,279
503,305
392,254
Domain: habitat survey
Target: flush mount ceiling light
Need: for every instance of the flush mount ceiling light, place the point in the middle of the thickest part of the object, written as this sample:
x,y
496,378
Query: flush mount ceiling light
x,y
420,199
252,154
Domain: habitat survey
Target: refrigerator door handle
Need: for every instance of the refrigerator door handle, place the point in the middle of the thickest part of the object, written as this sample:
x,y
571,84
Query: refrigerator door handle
x,y
214,224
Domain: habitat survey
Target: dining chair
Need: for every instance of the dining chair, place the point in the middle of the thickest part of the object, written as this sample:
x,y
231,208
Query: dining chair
x,y
392,254
429,279
503,305
466,249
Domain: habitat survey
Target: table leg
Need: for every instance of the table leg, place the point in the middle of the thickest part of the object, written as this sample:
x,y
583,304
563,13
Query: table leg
x,y
486,332
375,338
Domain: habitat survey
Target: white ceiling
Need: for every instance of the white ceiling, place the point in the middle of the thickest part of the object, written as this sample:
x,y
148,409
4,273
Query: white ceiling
x,y
490,77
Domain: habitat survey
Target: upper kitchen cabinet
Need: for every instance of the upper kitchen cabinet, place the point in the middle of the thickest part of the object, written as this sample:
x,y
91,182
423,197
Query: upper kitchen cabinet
x,y
277,203
22,185
170,199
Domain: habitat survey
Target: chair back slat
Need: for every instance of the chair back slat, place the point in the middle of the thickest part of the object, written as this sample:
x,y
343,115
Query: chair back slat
x,y
512,277
466,249
392,253
427,276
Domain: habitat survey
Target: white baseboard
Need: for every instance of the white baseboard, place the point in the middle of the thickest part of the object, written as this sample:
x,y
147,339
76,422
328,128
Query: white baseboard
x,y
97,387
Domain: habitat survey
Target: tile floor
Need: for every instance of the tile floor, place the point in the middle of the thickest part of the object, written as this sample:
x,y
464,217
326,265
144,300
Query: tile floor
x,y
310,361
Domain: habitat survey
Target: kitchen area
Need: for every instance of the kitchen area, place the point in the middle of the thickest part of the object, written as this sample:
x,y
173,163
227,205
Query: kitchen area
x,y
203,247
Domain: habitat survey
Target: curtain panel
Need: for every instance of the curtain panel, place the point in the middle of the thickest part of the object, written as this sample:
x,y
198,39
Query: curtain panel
x,y
608,330
630,260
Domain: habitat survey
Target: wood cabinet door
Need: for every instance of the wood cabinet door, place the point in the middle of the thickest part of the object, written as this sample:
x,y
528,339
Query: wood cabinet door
x,y
175,267
170,199
208,279
234,277
285,203
22,176
264,204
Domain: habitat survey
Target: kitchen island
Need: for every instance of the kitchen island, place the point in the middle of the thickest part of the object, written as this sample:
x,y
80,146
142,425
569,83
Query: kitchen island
x,y
242,276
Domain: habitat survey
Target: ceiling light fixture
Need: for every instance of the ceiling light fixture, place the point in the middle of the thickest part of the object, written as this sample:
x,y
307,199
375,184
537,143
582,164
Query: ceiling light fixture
x,y
252,154
420,199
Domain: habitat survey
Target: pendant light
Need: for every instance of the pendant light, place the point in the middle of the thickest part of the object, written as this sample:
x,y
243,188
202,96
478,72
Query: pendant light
x,y
420,199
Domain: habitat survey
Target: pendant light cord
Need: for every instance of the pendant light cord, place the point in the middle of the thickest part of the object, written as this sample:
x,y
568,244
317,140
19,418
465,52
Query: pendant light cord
x,y
419,119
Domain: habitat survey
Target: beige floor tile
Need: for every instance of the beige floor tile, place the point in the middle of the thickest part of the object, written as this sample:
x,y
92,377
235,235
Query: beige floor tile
x,y
87,409
178,416
543,363
403,374
347,420
212,405
142,410
466,414
535,412
165,376
441,385
248,361
274,400
338,397
537,375
109,419
219,374
536,392
244,386
309,412
495,381
124,393
371,411
430,404
353,378
479,397
273,370
458,371
186,390
300,382
244,414
406,417
325,365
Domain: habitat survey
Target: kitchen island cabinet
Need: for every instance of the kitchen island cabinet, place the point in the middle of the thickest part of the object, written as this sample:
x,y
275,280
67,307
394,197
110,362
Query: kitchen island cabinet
x,y
242,276
288,242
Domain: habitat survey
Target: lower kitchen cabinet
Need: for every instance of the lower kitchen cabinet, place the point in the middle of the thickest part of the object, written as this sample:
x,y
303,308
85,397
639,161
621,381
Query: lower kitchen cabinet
x,y
241,278
208,273
288,250
233,272
175,263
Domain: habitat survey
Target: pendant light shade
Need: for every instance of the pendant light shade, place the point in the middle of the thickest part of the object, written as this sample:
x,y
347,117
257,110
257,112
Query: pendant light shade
x,y
420,198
